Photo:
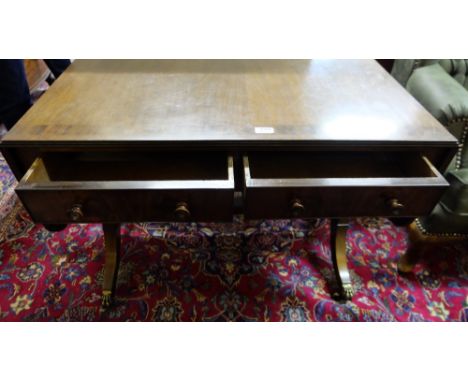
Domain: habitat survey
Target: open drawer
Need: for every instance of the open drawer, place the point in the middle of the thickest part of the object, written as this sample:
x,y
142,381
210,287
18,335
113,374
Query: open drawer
x,y
340,184
123,187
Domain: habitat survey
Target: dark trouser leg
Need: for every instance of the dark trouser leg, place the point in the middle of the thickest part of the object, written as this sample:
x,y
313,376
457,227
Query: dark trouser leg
x,y
57,67
111,265
15,99
338,230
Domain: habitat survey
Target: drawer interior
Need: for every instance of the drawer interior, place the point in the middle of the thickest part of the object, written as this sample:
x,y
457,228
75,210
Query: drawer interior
x,y
293,165
130,166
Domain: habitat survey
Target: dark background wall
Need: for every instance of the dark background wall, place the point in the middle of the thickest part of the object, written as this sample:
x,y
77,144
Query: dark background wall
x,y
386,63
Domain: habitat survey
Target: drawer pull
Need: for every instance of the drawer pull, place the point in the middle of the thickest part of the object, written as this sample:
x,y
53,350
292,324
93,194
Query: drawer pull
x,y
76,213
297,208
182,212
396,206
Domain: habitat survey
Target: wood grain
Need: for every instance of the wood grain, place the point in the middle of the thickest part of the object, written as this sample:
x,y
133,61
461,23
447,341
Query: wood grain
x,y
121,138
224,102
36,72
348,190
50,200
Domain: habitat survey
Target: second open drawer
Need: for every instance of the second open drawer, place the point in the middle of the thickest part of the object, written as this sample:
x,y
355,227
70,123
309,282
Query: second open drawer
x,y
339,184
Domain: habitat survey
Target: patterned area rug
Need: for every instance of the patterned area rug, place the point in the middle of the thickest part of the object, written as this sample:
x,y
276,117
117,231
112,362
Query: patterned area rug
x,y
245,271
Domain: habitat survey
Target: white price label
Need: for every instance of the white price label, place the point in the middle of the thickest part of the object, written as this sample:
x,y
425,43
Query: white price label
x,y
264,130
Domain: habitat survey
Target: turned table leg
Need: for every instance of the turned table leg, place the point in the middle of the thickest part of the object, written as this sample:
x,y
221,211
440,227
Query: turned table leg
x,y
111,264
338,230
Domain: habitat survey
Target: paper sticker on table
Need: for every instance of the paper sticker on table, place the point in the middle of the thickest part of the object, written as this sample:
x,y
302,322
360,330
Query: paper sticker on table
x,y
264,130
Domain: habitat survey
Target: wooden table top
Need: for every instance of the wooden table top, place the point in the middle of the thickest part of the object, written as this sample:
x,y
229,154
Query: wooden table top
x,y
227,103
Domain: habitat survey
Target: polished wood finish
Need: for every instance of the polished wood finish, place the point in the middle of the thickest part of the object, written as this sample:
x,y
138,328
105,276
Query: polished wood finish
x,y
138,140
228,103
36,72
340,184
95,195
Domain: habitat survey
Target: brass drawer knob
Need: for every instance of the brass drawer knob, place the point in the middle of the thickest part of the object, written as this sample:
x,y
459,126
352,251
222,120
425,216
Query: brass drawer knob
x,y
182,212
76,213
297,208
396,206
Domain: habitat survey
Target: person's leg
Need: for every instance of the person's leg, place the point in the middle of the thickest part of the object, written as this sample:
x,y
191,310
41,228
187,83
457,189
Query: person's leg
x,y
15,99
57,67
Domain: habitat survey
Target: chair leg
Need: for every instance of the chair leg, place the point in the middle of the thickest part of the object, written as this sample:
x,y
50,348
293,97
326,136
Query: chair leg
x,y
410,258
418,241
416,244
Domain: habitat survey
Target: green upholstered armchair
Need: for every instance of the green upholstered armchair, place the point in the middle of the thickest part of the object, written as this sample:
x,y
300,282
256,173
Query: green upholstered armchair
x,y
441,86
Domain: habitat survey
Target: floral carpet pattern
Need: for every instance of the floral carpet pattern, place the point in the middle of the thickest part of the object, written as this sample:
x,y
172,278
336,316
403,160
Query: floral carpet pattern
x,y
243,271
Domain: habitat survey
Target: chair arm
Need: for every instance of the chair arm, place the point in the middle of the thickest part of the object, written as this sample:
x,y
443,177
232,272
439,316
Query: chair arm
x,y
439,93
451,213
455,200
402,70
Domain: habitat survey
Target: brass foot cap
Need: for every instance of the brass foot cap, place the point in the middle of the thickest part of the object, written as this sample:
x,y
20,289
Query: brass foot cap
x,y
348,291
106,299
345,294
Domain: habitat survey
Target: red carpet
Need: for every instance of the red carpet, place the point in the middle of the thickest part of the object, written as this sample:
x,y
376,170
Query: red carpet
x,y
244,271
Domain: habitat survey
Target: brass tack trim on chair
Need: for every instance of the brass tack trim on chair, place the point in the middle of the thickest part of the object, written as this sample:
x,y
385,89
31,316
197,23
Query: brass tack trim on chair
x,y
458,158
460,148
443,234
458,161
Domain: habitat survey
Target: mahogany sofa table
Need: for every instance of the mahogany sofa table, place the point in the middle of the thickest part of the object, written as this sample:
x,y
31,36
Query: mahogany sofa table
x,y
117,141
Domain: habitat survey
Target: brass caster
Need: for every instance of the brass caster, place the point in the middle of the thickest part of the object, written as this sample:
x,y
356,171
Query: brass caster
x,y
348,292
106,299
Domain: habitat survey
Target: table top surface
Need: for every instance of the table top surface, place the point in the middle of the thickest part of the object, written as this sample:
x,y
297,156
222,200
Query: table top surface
x,y
227,102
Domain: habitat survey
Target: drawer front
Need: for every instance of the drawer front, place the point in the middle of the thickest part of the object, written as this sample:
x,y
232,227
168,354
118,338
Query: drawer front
x,y
339,196
281,203
52,200
113,206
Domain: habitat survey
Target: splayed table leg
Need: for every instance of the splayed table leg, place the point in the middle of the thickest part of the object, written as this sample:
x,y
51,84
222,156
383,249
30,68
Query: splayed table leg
x,y
111,265
338,250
